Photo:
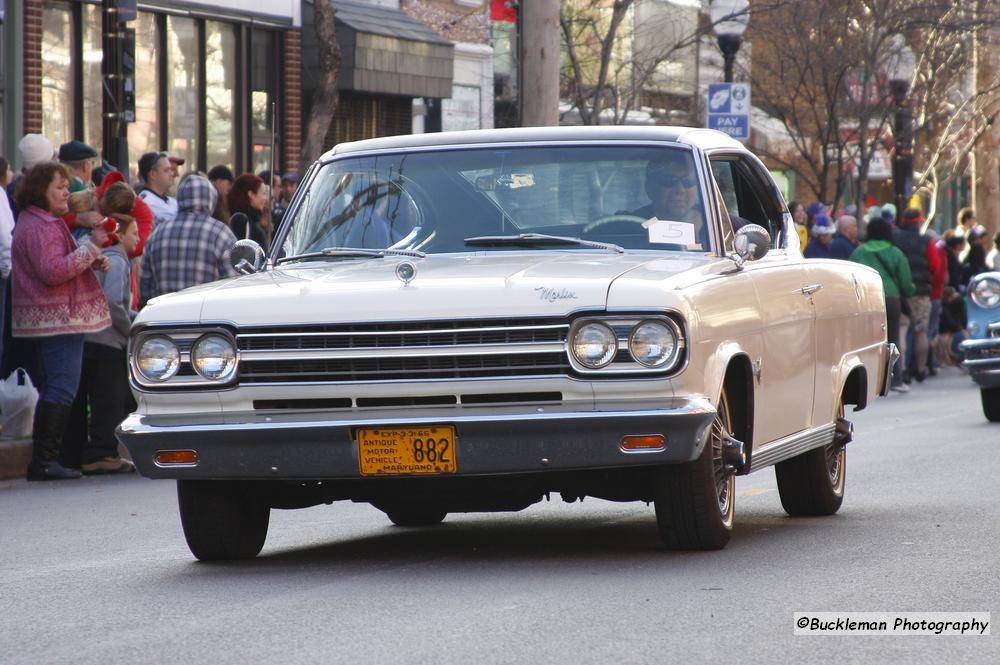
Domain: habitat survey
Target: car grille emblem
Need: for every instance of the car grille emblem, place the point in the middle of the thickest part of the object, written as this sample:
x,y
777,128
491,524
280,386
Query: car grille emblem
x,y
406,271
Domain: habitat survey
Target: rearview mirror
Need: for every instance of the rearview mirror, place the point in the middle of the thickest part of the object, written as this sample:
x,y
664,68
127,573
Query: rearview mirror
x,y
752,242
247,257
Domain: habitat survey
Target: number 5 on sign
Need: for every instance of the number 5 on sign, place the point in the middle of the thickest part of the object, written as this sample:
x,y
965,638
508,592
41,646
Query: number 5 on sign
x,y
665,232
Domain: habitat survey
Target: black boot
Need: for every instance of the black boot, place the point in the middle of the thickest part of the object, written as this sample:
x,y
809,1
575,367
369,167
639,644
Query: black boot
x,y
46,434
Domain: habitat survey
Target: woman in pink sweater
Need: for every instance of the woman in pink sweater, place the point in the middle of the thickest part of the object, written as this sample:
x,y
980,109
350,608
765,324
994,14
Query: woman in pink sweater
x,y
55,300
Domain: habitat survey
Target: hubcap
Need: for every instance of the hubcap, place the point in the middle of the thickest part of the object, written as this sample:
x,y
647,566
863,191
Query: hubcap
x,y
725,480
836,459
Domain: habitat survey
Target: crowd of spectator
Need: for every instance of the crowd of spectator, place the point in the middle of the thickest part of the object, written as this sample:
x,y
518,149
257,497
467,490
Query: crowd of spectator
x,y
82,248
925,276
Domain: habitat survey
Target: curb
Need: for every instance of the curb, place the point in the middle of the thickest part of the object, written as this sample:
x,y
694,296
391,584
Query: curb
x,y
14,457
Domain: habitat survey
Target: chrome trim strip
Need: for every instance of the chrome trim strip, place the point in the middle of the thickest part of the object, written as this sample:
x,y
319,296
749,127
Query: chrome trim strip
x,y
790,446
981,361
403,352
372,333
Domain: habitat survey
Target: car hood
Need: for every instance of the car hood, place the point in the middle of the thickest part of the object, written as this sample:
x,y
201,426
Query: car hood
x,y
493,285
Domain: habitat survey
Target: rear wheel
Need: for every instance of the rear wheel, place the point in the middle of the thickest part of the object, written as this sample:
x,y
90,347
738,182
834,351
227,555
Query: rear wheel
x,y
812,483
695,501
222,519
991,403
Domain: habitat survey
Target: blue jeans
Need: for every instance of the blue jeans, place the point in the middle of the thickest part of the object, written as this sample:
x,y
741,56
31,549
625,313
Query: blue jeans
x,y
62,361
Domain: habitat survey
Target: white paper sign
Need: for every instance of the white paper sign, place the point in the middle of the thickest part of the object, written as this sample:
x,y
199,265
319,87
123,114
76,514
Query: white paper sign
x,y
674,233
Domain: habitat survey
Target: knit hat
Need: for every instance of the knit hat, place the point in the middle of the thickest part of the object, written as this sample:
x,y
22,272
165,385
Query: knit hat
x,y
874,212
815,208
35,149
889,211
823,226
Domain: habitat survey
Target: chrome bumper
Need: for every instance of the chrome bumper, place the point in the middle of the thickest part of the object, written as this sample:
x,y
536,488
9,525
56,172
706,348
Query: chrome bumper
x,y
982,359
892,354
497,440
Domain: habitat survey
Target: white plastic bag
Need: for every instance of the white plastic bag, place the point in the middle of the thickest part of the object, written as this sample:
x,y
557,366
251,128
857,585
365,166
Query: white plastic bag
x,y
18,397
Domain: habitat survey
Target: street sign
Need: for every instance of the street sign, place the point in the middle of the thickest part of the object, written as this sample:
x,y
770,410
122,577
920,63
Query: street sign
x,y
729,109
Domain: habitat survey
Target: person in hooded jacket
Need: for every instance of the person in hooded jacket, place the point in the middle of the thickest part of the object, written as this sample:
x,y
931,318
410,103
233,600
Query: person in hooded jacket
x,y
879,253
193,248
89,443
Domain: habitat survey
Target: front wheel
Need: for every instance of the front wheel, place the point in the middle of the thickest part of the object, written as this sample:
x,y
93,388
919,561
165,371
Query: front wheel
x,y
222,520
695,501
991,403
811,484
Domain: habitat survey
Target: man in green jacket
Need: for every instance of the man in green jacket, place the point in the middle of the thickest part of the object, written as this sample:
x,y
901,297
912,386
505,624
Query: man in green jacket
x,y
879,253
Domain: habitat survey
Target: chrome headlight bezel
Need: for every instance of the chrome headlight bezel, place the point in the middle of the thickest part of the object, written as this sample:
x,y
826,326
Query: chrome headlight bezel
x,y
186,376
607,347
624,362
228,364
671,335
171,354
985,292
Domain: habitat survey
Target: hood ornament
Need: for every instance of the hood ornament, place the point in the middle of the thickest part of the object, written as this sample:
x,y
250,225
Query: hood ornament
x,y
406,271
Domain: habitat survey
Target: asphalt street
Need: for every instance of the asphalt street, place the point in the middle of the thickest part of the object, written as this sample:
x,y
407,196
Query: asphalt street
x,y
97,571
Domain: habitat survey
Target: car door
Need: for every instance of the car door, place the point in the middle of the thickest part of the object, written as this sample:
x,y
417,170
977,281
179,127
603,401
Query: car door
x,y
784,399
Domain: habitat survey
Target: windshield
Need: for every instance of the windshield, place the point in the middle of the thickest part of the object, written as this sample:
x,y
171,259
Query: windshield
x,y
635,197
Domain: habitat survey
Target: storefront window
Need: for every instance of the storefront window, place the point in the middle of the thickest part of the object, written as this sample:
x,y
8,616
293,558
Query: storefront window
x,y
144,133
220,73
182,88
57,72
93,96
262,44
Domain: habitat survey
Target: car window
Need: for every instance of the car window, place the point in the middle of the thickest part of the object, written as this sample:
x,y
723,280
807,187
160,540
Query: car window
x,y
746,197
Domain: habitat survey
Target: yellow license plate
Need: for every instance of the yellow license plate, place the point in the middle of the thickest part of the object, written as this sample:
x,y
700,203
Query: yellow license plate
x,y
392,451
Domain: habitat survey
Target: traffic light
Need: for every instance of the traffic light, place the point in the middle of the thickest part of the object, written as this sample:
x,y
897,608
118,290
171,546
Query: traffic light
x,y
128,74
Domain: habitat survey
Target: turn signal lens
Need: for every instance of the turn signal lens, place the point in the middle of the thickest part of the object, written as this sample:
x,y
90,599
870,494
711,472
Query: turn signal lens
x,y
176,458
643,442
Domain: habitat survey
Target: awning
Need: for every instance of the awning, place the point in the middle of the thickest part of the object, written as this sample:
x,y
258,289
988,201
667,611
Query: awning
x,y
384,50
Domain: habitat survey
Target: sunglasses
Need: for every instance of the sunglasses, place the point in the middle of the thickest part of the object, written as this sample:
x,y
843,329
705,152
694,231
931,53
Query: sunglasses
x,y
665,180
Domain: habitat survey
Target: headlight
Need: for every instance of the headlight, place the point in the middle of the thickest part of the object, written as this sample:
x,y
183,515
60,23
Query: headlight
x,y
594,345
214,357
652,343
157,358
986,293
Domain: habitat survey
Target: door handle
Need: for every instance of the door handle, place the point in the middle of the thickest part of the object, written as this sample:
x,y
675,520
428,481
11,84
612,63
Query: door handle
x,y
811,289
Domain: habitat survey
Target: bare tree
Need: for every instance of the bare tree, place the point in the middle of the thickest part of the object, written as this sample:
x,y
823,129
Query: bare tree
x,y
609,66
324,104
828,87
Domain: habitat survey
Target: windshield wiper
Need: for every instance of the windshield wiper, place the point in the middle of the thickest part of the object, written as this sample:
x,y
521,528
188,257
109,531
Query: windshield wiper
x,y
541,239
353,252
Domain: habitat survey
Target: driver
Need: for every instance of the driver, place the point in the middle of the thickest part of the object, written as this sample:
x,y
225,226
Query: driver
x,y
672,188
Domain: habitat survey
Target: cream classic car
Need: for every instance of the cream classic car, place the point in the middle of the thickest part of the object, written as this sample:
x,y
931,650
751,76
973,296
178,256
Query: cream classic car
x,y
471,321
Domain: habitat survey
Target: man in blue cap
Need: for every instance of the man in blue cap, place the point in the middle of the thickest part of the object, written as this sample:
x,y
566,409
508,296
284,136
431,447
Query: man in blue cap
x,y
79,157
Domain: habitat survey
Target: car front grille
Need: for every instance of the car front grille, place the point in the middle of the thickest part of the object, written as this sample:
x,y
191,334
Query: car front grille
x,y
403,351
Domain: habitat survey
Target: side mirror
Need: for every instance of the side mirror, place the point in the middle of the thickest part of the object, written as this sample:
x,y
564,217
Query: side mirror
x,y
247,257
752,242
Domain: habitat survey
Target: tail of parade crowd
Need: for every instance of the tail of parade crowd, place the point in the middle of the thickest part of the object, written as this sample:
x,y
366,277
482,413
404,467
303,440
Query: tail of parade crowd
x,y
83,247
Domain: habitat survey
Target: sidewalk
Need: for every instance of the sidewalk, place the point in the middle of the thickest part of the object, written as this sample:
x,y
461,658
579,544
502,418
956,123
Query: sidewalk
x,y
14,457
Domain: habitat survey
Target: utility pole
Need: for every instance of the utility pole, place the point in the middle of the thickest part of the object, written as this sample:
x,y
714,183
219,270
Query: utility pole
x,y
538,31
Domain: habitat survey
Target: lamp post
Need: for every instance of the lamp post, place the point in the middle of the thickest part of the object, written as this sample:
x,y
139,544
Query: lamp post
x,y
900,66
730,19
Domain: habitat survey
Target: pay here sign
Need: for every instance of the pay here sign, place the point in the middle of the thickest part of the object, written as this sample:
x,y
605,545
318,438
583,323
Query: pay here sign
x,y
729,109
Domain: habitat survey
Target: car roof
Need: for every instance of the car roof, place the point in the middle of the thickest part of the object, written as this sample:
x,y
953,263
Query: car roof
x,y
694,136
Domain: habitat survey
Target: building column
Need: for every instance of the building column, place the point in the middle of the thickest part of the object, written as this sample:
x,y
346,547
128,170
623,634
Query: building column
x,y
32,90
292,93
